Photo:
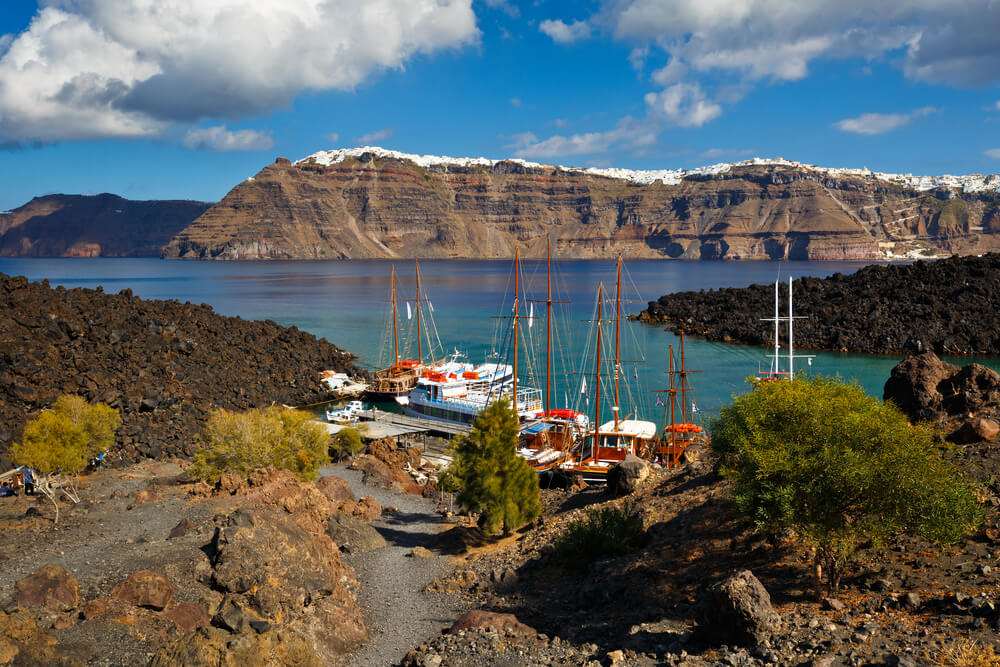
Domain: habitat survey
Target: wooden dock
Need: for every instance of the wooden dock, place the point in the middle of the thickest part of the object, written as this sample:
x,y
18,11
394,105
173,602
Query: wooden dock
x,y
382,424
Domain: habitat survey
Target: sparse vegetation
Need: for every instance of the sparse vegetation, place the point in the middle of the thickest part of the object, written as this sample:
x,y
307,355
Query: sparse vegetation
x,y
602,532
840,469
347,442
492,479
59,443
276,436
968,653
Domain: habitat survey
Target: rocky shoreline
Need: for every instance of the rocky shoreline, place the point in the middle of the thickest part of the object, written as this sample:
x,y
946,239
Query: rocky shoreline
x,y
164,365
945,306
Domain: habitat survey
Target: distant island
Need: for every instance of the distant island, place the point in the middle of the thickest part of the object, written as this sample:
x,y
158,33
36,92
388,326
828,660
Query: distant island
x,y
369,202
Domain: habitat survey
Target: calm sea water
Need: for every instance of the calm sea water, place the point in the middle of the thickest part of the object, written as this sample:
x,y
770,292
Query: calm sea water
x,y
346,303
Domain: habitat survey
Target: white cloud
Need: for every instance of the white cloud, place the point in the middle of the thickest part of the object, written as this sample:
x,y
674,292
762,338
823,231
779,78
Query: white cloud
x,y
993,153
997,105
218,138
628,135
127,68
672,72
880,123
376,136
333,137
683,104
515,101
727,153
564,33
505,6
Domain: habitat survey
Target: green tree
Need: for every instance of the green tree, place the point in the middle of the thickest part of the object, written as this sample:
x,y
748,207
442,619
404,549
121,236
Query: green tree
x,y
493,480
347,442
275,436
840,468
58,444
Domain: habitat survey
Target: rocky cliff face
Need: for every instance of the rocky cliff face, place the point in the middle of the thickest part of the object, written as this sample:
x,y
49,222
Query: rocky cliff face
x,y
377,204
93,226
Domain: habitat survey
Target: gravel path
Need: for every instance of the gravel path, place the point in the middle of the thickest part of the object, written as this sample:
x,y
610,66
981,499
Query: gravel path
x,y
398,614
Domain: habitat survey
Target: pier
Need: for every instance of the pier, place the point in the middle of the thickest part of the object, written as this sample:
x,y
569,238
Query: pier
x,y
382,424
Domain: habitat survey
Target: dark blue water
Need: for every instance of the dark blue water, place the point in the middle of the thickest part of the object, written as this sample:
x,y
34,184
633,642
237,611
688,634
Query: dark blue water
x,y
346,303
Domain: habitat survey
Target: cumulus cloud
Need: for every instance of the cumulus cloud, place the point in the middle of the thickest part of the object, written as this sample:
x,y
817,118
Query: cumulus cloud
x,y
87,69
993,153
218,138
564,33
504,6
376,136
333,137
880,123
629,135
684,105
515,101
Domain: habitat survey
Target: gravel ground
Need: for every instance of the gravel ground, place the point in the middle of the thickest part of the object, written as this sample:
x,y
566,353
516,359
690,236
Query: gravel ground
x,y
398,613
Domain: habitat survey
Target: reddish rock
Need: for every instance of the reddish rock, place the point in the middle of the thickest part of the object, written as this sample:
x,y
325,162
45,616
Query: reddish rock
x,y
63,622
975,430
308,507
200,490
187,616
50,586
335,489
367,509
183,527
914,385
145,588
378,473
96,607
489,619
231,483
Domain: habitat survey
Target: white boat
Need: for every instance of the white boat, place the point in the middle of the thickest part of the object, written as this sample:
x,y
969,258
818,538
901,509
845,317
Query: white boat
x,y
342,384
346,415
459,392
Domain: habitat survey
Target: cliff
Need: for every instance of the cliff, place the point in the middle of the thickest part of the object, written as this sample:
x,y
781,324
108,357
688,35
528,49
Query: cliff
x,y
102,225
946,306
364,203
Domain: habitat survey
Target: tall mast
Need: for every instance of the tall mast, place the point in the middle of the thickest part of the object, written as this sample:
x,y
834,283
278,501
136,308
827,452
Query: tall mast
x,y
673,396
791,344
777,323
517,288
618,327
548,326
420,353
597,373
683,384
395,326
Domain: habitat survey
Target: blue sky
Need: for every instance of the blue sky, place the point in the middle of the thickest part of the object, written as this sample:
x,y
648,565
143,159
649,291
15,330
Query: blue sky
x,y
185,99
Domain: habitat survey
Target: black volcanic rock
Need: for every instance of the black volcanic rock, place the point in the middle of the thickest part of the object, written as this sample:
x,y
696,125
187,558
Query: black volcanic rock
x,y
946,306
164,365
102,225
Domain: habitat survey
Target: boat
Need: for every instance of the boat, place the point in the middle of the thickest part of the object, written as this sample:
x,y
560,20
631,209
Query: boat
x,y
399,379
677,436
341,384
346,415
609,442
775,370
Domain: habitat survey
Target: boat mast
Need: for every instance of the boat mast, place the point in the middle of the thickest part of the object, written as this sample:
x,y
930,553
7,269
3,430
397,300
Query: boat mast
x,y
673,399
777,321
517,287
395,326
683,375
597,374
420,354
791,344
618,327
548,326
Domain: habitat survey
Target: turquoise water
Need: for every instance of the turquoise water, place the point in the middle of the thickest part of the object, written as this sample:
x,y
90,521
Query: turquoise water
x,y
346,303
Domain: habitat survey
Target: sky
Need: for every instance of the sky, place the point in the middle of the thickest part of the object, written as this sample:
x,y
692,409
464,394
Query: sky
x,y
183,99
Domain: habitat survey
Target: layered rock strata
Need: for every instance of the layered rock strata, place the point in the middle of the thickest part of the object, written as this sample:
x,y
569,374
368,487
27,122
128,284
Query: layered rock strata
x,y
381,204
945,306
164,365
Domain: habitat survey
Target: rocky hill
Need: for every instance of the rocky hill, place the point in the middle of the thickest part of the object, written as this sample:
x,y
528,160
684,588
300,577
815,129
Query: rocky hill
x,y
946,306
164,365
103,225
369,202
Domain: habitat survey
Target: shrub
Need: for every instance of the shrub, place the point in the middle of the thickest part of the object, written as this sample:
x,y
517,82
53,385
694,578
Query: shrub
x,y
276,436
58,444
839,468
602,532
346,443
492,479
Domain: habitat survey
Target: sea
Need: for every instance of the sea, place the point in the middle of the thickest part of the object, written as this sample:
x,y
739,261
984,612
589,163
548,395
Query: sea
x,y
466,308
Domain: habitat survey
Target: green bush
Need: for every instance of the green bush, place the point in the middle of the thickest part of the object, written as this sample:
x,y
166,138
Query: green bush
x,y
602,532
346,443
839,468
276,436
491,478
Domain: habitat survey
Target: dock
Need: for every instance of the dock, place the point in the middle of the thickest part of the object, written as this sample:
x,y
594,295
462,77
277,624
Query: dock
x,y
382,424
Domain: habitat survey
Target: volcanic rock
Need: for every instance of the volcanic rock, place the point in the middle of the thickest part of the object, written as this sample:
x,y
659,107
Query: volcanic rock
x,y
926,388
353,535
187,616
488,619
145,588
335,489
737,611
624,478
212,647
50,586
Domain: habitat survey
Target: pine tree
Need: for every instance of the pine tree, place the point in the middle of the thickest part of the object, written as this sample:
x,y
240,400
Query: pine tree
x,y
494,480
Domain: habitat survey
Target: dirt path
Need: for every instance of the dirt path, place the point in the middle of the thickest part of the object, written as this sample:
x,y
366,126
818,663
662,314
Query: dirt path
x,y
398,613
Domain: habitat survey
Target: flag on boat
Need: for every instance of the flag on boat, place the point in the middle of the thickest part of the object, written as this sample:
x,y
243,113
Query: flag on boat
x,y
635,372
694,408
531,315
583,388
659,402
409,313
810,360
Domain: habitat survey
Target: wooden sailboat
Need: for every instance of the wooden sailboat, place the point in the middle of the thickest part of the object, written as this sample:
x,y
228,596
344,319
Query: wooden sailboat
x,y
678,436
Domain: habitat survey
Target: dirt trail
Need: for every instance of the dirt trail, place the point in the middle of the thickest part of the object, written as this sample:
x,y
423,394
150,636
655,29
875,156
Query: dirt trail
x,y
398,614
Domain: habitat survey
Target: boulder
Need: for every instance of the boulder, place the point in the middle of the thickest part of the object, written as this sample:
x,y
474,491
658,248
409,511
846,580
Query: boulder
x,y
979,429
489,619
353,535
50,586
461,580
914,386
335,489
367,509
737,611
183,527
421,552
973,390
307,505
379,473
213,647
145,588
333,625
231,483
624,478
